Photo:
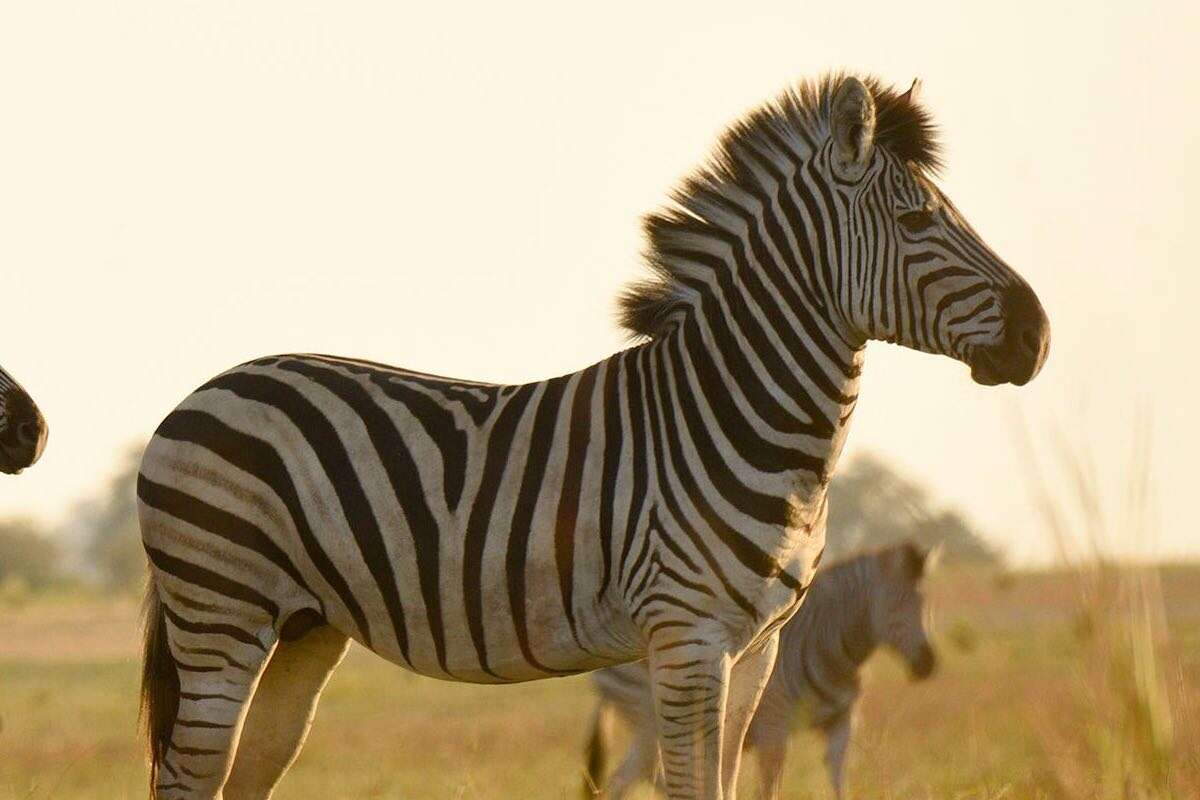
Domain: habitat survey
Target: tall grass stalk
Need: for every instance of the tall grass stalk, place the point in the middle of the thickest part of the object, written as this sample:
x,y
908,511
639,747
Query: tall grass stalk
x,y
1119,742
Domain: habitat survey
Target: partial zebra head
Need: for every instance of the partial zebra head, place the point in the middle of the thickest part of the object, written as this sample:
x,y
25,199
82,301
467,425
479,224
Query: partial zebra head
x,y
22,429
898,618
914,271
821,204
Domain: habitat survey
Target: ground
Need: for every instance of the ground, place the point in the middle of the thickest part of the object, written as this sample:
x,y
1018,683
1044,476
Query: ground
x,y
1028,703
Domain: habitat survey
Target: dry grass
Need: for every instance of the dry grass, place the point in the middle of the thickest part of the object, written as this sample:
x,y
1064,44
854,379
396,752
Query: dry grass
x,y
53,632
1016,713
1133,736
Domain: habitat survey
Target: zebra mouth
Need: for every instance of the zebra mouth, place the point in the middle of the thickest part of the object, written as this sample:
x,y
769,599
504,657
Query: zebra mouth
x,y
985,371
23,445
994,366
924,665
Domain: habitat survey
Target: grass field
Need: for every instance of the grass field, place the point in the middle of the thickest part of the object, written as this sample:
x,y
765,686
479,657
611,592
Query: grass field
x,y
1034,699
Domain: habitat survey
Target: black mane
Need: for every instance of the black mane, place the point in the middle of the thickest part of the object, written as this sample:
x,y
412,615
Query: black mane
x,y
798,116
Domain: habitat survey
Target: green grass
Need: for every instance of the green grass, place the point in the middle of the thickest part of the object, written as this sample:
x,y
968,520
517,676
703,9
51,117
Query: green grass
x,y
1009,715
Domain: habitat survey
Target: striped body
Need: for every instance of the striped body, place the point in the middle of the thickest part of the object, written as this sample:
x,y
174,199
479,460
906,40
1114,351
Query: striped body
x,y
668,502
489,533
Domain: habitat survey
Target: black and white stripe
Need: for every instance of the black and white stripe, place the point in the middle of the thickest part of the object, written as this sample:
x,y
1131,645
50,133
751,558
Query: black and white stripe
x,y
668,501
853,607
23,430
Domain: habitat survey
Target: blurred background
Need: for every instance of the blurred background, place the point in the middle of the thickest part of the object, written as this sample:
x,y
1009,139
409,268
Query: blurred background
x,y
457,188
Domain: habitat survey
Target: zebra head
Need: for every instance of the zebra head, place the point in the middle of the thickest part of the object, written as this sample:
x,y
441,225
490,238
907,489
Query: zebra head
x,y
913,271
898,617
23,431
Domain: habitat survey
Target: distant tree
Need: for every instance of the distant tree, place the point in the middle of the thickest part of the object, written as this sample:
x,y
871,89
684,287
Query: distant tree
x,y
959,540
29,559
871,504
112,543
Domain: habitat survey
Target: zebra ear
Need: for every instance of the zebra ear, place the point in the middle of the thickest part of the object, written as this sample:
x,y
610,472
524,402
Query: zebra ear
x,y
852,128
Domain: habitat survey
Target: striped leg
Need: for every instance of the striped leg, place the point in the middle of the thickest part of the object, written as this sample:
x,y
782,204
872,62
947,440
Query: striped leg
x,y
747,680
690,683
282,711
217,673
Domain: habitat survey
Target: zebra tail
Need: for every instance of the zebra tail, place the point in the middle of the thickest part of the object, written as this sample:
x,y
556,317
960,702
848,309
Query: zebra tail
x,y
597,753
160,682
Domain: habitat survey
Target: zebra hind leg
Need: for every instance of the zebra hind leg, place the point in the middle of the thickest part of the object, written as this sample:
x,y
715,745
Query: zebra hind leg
x,y
200,669
282,711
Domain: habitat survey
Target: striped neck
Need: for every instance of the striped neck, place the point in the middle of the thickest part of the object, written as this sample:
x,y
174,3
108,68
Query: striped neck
x,y
764,327
763,411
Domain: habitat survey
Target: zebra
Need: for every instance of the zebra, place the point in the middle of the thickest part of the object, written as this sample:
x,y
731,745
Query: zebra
x,y
666,503
23,430
853,607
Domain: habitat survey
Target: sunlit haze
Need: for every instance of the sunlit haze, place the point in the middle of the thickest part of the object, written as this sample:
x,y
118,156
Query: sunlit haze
x,y
185,186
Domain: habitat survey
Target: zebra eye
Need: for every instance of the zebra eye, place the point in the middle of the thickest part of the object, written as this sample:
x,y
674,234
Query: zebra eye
x,y
916,221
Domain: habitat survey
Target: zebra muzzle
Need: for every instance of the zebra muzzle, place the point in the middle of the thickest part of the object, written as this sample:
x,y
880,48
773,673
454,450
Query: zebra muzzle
x,y
1019,356
23,438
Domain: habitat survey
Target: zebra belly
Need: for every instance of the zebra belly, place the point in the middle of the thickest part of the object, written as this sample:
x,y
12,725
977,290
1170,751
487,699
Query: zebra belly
x,y
487,618
545,645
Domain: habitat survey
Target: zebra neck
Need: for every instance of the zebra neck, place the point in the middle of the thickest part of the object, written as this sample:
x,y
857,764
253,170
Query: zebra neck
x,y
769,402
856,633
857,641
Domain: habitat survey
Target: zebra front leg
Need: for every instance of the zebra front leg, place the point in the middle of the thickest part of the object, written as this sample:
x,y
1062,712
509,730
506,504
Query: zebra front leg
x,y
837,738
690,680
747,680
282,711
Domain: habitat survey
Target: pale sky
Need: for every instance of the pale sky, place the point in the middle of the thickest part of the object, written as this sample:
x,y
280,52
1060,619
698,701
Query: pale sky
x,y
185,186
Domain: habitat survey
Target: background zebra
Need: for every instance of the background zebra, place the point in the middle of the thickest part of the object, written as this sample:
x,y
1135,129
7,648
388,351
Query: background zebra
x,y
853,607
666,502
23,431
